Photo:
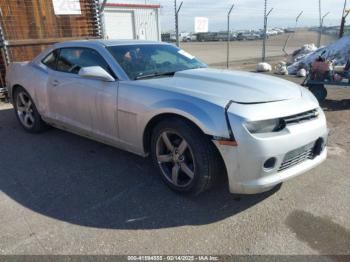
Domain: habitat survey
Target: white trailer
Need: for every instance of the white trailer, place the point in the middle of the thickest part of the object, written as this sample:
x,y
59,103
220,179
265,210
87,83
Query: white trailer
x,y
131,21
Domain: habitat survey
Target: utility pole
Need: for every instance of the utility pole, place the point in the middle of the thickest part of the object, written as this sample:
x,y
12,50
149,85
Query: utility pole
x,y
228,36
177,10
289,35
343,20
266,15
321,29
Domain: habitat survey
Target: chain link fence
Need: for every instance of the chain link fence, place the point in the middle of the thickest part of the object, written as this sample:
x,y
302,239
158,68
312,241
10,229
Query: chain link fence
x,y
29,26
246,53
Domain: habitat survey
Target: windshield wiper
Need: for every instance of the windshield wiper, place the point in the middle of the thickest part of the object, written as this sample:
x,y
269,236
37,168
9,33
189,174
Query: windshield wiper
x,y
156,74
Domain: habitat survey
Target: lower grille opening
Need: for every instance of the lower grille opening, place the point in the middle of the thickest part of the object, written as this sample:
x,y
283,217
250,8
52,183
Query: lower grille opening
x,y
297,156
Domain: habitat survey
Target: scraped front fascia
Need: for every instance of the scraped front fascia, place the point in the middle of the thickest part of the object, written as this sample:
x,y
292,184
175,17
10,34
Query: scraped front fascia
x,y
227,107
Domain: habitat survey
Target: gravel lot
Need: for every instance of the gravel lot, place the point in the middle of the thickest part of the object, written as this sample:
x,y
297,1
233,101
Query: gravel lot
x,y
63,194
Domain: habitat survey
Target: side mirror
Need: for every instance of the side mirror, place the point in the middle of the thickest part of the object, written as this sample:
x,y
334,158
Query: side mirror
x,y
96,72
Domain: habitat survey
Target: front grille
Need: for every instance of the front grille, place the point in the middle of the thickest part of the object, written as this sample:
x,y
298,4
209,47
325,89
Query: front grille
x,y
302,117
297,156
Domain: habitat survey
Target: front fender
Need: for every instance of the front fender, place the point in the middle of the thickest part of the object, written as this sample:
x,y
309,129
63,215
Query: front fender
x,y
138,105
209,118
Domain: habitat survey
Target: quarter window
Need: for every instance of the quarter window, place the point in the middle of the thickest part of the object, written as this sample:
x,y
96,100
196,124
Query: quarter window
x,y
50,60
71,60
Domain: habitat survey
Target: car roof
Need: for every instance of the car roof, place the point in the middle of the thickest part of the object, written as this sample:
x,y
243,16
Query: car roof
x,y
103,43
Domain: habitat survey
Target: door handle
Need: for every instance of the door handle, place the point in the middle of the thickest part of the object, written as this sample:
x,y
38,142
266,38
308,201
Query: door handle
x,y
55,82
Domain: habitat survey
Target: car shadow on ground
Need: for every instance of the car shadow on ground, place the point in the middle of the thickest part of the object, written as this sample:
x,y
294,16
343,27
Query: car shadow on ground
x,y
80,181
336,105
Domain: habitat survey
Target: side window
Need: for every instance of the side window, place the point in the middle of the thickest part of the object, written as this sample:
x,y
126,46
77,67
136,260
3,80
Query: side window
x,y
71,60
50,60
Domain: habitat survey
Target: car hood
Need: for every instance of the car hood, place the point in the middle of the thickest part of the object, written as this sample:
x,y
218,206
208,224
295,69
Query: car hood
x,y
224,85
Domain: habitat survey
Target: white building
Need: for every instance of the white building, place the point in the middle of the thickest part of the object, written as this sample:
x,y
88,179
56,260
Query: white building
x,y
131,21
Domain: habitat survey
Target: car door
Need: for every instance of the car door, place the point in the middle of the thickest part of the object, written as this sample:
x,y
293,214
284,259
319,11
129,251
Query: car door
x,y
85,105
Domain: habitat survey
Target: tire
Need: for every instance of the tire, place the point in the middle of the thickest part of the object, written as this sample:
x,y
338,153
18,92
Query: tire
x,y
200,156
319,91
26,112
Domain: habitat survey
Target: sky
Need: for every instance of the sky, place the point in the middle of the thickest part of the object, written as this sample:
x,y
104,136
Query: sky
x,y
247,14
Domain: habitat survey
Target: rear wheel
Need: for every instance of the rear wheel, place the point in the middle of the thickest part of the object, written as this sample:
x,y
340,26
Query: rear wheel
x,y
26,112
186,158
319,91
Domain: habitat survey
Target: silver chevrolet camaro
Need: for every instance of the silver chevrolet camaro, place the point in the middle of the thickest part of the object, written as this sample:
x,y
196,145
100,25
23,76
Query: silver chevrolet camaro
x,y
196,123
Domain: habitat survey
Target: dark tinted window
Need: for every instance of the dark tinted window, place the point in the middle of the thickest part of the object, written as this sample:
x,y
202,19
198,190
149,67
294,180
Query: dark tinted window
x,y
71,60
50,60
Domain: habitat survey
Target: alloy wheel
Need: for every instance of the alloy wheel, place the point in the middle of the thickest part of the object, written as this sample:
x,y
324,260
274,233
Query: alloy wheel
x,y
25,110
175,158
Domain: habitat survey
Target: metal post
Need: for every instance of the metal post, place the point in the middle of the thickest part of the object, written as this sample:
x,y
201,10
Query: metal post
x,y
5,57
320,21
320,11
176,27
265,31
228,36
177,10
341,34
344,8
343,20
103,6
97,13
289,35
342,25
3,46
266,15
321,28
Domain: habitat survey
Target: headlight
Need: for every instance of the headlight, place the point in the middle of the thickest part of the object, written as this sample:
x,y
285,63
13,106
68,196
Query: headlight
x,y
265,126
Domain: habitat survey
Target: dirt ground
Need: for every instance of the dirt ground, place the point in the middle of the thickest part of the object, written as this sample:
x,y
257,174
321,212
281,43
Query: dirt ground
x,y
64,194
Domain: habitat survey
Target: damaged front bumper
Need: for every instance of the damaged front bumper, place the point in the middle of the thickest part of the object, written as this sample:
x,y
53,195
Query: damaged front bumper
x,y
258,162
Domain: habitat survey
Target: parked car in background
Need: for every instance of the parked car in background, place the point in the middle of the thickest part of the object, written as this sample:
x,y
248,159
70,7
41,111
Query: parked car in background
x,y
289,30
240,36
183,37
166,37
190,38
271,32
278,30
223,36
248,36
172,37
206,37
196,123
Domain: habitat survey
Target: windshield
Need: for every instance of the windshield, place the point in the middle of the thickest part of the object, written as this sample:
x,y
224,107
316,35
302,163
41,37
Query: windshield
x,y
152,60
